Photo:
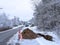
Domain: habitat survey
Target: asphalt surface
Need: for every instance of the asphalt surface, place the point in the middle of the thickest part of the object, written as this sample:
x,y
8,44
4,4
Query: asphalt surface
x,y
6,35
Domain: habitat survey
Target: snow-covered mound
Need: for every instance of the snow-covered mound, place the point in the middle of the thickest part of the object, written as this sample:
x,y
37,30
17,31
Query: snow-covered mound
x,y
37,41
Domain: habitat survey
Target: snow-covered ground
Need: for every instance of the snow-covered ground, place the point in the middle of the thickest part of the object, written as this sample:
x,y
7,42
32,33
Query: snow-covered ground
x,y
37,41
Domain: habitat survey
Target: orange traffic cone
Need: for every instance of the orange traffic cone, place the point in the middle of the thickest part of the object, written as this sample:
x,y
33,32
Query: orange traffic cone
x,y
19,35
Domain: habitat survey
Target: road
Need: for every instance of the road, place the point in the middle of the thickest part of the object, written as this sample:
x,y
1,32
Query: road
x,y
6,35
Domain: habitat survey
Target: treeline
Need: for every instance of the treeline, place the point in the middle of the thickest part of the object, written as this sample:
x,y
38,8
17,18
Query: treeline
x,y
47,15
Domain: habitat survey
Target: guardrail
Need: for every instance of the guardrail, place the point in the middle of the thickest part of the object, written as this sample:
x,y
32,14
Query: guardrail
x,y
6,35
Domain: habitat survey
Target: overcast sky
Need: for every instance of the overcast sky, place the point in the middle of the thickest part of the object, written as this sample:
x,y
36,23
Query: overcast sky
x,y
19,8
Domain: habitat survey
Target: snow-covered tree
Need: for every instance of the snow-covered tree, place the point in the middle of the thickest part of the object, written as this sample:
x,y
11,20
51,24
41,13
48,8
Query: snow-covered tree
x,y
32,20
15,21
3,20
47,14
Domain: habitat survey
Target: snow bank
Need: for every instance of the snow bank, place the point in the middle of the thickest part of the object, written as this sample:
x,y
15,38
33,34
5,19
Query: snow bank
x,y
37,41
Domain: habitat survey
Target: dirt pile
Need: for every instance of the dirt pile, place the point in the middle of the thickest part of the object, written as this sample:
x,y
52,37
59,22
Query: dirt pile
x,y
29,34
47,37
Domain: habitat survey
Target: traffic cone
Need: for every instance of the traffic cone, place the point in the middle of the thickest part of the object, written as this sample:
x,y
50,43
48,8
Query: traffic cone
x,y
19,35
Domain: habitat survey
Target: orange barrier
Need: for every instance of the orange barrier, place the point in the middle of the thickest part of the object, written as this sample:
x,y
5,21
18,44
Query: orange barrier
x,y
19,35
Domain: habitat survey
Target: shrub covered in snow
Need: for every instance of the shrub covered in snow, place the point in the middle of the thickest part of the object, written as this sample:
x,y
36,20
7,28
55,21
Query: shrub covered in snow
x,y
47,15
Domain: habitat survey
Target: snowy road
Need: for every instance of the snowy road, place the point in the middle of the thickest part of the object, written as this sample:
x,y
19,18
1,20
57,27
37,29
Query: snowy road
x,y
6,35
